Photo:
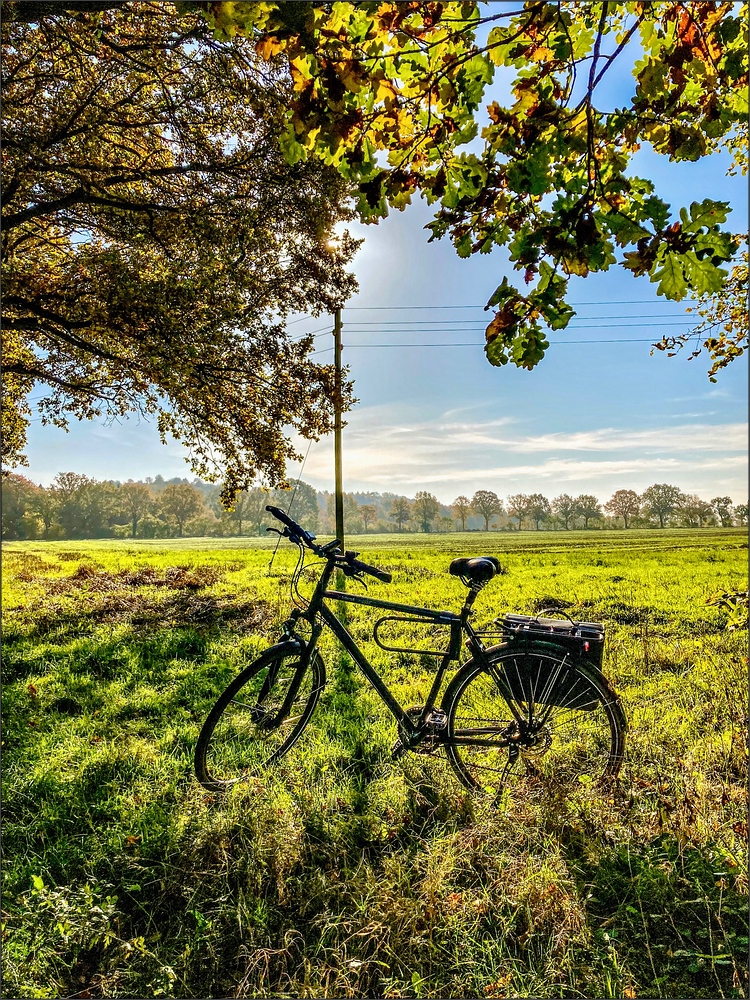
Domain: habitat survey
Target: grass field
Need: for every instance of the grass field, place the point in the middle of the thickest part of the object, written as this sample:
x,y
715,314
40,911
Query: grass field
x,y
343,873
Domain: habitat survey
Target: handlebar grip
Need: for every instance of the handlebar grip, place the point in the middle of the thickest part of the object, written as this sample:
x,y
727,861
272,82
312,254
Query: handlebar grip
x,y
379,574
281,516
297,529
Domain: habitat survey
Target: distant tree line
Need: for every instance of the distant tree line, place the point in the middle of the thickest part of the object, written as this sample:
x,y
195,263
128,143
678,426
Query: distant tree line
x,y
76,506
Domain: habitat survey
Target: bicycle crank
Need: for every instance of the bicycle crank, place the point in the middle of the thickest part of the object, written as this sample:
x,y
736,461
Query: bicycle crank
x,y
423,734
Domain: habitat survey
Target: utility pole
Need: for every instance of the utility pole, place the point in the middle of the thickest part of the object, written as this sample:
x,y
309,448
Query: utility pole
x,y
339,488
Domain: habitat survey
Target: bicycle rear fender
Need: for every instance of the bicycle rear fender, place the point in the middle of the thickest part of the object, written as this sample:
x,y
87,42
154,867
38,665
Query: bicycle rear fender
x,y
513,685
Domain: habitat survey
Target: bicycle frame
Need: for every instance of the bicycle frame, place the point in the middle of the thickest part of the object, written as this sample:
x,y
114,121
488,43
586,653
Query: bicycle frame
x,y
318,614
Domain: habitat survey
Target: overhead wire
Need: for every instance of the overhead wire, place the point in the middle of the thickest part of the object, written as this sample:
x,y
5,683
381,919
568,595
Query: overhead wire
x,y
436,326
464,322
605,302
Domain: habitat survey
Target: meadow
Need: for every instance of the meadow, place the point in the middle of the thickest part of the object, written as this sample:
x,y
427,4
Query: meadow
x,y
343,873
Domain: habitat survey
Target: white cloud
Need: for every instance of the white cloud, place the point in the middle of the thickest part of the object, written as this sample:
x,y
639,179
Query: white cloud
x,y
447,456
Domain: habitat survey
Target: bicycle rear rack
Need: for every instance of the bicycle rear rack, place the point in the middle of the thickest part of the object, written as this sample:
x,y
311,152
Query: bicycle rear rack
x,y
582,639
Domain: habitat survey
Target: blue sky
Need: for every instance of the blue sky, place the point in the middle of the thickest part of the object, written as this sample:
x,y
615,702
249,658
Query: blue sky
x,y
592,418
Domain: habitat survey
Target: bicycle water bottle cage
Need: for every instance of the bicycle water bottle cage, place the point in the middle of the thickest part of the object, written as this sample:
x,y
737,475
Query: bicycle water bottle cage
x,y
476,571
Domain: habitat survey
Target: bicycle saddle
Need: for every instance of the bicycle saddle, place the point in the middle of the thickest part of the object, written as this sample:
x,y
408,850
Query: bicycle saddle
x,y
478,569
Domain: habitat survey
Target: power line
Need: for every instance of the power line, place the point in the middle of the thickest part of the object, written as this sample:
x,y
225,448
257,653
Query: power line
x,y
464,322
313,333
412,326
606,302
583,326
582,343
554,343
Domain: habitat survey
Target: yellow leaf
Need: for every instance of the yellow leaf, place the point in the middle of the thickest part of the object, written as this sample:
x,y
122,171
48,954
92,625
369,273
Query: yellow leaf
x,y
540,52
302,65
268,46
525,103
385,91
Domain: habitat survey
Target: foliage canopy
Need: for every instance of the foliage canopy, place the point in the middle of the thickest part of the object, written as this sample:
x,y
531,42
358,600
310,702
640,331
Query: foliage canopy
x,y
390,94
155,237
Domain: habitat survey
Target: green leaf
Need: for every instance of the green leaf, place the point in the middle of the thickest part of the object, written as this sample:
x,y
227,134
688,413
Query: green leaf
x,y
706,213
624,229
503,292
530,174
292,150
670,276
558,315
497,353
702,275
463,245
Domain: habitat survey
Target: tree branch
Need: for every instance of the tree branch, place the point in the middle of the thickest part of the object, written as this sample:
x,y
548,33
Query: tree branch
x,y
33,11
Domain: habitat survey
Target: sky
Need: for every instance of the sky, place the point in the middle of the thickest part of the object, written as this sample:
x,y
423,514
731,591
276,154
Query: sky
x,y
598,414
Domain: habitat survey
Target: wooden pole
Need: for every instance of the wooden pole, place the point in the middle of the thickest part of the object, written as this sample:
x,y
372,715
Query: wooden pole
x,y
339,476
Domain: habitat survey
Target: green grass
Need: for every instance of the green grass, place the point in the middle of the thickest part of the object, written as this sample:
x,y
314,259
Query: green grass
x,y
343,873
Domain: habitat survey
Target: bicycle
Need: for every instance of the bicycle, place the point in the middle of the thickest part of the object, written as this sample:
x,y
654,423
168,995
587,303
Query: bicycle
x,y
534,706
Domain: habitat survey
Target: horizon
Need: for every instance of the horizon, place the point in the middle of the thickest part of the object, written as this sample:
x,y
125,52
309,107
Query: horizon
x,y
199,483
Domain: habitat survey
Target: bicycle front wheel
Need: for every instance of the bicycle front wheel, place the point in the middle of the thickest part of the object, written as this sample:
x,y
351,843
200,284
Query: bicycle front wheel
x,y
549,722
259,717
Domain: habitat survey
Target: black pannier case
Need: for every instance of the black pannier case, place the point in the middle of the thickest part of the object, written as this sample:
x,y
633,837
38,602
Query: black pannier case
x,y
582,640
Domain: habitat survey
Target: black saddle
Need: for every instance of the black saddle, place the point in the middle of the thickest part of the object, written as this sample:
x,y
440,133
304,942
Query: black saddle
x,y
476,570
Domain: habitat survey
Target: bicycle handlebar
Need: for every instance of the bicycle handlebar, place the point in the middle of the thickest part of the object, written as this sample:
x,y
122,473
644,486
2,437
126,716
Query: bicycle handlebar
x,y
348,560
360,567
298,533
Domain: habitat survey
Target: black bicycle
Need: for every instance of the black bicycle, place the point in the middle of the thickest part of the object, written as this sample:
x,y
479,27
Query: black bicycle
x,y
531,703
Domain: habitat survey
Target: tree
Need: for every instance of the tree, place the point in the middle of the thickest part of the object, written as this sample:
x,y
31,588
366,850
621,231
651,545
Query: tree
x,y
257,499
624,504
694,511
149,259
564,508
722,330
461,508
179,502
83,505
723,508
425,509
369,515
661,500
136,500
518,506
302,504
45,504
486,504
740,512
352,516
390,93
587,507
539,509
18,507
239,513
400,512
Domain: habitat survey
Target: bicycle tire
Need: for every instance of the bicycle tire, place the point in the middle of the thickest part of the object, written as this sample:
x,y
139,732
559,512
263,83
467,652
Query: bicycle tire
x,y
571,730
242,737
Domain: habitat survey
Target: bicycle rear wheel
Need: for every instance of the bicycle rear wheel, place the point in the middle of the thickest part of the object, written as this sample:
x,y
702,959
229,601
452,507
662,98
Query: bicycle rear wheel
x,y
559,724
259,717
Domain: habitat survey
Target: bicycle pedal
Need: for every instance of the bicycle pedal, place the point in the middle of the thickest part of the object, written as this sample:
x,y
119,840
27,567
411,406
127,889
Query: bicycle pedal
x,y
437,719
398,750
